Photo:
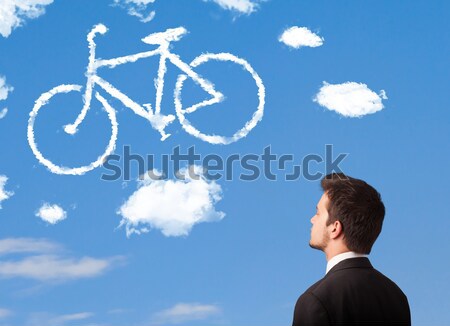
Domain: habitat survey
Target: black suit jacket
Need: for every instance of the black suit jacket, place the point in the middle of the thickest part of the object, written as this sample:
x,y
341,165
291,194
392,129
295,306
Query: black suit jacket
x,y
352,293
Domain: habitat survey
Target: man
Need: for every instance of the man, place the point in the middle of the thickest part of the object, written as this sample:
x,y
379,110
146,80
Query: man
x,y
347,222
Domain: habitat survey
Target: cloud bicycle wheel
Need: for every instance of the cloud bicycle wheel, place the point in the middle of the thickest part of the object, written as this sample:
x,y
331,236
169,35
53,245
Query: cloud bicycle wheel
x,y
58,169
212,138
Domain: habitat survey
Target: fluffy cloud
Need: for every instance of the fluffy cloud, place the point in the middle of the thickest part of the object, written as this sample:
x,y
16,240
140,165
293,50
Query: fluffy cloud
x,y
51,213
4,194
185,312
172,206
137,8
350,99
47,262
240,6
297,37
13,13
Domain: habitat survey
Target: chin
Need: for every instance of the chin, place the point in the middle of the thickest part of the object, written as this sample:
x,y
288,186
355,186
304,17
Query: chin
x,y
315,246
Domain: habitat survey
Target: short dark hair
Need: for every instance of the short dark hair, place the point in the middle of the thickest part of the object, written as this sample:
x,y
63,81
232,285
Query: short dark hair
x,y
359,208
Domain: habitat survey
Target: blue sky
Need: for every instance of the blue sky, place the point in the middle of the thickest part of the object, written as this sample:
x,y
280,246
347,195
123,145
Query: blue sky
x,y
227,252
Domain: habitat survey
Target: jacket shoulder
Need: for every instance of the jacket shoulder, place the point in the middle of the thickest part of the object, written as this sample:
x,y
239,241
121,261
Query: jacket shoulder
x,y
361,294
310,311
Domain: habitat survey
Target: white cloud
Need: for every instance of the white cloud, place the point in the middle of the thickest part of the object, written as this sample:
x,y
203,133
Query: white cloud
x,y
13,13
3,113
43,263
4,194
5,313
55,268
172,206
27,245
241,6
4,88
47,319
350,99
71,317
137,8
297,37
51,213
184,312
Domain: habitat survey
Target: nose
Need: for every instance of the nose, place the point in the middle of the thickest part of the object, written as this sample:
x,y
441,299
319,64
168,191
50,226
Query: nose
x,y
311,220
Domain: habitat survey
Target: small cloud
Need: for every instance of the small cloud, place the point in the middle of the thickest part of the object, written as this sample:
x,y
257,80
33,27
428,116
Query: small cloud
x,y
55,268
42,260
4,194
172,206
241,6
4,313
297,37
3,113
47,319
14,13
51,213
185,312
350,99
4,88
10,246
137,8
71,317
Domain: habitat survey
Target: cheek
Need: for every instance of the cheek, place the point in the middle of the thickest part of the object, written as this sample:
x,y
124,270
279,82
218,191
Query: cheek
x,y
323,221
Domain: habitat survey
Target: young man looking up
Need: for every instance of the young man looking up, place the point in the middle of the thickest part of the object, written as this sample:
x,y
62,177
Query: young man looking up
x,y
348,220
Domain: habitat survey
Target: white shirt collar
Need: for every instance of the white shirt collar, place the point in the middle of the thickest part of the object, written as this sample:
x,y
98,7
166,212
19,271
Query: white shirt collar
x,y
338,258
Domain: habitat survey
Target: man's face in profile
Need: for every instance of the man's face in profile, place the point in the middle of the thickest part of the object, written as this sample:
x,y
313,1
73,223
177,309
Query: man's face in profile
x,y
319,232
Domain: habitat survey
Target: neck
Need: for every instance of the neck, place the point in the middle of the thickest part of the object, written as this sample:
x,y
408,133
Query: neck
x,y
331,252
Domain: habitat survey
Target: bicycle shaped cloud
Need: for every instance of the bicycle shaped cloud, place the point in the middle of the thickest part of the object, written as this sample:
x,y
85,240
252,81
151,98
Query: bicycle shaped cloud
x,y
157,120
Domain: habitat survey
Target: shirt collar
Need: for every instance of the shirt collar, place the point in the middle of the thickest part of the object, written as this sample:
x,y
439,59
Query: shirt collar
x,y
338,258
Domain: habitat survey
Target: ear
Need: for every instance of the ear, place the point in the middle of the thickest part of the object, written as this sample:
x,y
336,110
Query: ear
x,y
336,230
